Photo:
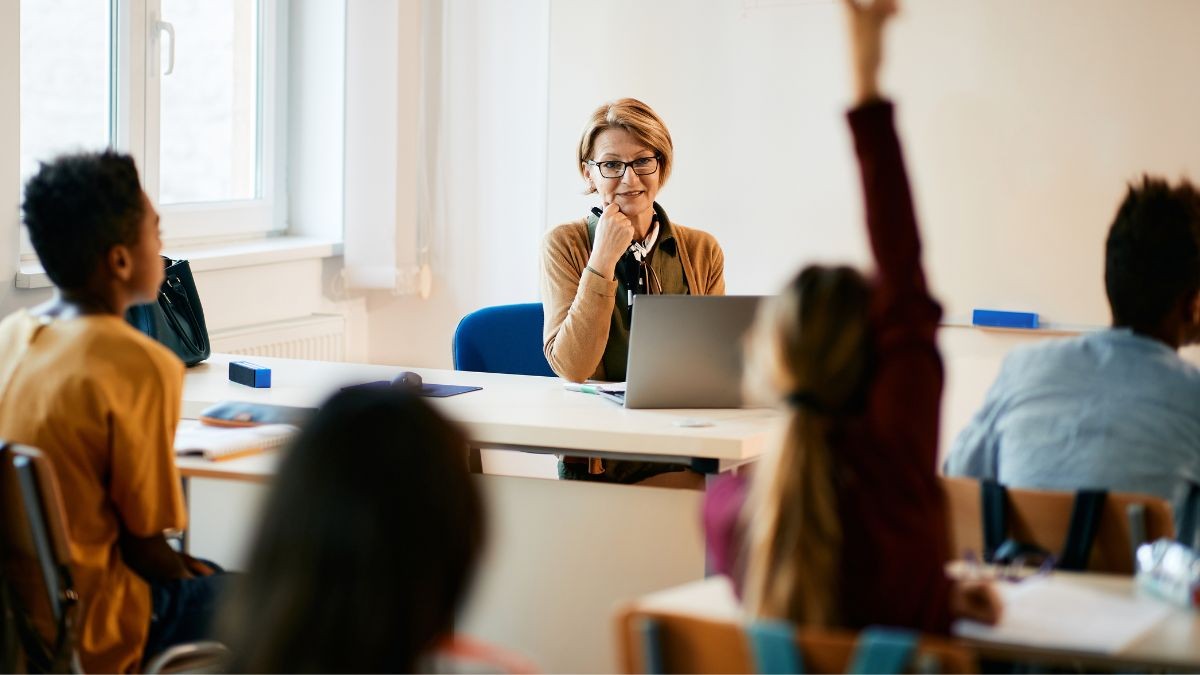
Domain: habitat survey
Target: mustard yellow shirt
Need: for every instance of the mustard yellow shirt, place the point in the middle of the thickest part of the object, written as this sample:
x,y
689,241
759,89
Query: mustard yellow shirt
x,y
101,400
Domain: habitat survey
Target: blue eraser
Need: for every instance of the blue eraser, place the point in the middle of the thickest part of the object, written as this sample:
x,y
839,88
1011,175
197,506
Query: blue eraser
x,y
997,319
250,374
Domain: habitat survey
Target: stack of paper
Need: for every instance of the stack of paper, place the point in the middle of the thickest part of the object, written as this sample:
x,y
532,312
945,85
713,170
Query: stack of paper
x,y
1064,614
194,439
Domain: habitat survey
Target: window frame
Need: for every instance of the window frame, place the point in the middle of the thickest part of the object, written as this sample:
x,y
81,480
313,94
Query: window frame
x,y
134,127
218,221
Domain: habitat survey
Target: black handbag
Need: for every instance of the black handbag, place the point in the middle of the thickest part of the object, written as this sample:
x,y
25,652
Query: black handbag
x,y
177,319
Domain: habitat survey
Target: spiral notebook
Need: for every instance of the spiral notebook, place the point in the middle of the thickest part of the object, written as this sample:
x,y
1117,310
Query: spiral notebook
x,y
195,439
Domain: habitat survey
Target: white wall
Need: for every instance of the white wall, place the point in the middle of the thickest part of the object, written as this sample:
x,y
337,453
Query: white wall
x,y
1021,121
488,223
232,297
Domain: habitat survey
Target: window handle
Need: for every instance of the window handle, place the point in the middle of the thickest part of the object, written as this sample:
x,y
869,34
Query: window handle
x,y
166,27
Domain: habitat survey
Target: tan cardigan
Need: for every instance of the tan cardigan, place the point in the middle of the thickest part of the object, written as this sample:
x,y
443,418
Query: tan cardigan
x,y
578,304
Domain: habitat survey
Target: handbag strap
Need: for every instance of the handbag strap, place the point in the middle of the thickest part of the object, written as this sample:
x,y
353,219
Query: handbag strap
x,y
173,283
994,503
773,645
1085,522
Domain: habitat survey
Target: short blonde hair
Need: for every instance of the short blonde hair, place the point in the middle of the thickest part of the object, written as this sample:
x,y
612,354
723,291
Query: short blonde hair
x,y
640,121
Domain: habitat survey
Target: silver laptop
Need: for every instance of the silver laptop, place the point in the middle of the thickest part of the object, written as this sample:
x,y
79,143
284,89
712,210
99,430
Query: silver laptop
x,y
685,351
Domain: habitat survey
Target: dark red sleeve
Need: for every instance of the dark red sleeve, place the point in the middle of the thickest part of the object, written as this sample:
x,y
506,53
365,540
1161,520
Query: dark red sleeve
x,y
907,382
896,496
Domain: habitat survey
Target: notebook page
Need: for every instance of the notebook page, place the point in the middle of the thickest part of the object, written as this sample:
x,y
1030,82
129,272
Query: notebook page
x,y
1050,612
192,438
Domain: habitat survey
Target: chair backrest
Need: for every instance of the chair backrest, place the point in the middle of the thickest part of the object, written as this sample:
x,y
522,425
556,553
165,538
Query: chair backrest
x,y
36,558
1043,517
689,644
502,339
191,657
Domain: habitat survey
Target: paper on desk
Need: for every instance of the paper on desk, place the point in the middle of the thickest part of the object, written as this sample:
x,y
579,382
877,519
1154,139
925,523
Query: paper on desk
x,y
1050,612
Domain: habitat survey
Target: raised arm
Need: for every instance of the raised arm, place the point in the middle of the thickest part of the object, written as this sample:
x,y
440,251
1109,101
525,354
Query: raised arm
x,y
891,222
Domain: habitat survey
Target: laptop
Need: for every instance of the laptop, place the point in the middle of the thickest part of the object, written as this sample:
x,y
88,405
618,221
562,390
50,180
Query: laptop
x,y
685,351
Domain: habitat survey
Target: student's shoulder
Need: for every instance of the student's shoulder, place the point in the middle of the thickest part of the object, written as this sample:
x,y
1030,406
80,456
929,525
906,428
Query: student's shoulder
x,y
15,319
130,350
1047,350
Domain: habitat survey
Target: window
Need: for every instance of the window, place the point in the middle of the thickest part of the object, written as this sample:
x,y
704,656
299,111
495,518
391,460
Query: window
x,y
187,87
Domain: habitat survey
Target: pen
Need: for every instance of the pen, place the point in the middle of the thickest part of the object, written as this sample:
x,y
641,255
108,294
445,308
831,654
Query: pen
x,y
584,388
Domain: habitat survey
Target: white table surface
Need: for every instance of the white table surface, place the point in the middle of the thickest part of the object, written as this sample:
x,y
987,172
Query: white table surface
x,y
1171,642
562,554
510,411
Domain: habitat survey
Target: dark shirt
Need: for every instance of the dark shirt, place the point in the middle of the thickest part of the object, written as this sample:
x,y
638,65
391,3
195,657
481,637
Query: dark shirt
x,y
890,502
667,279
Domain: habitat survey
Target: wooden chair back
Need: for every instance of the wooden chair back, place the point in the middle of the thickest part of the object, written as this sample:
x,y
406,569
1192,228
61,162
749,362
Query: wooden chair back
x,y
1043,517
691,644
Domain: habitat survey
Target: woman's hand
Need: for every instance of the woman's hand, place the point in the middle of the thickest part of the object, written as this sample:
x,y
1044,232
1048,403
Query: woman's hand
x,y
867,19
614,234
977,601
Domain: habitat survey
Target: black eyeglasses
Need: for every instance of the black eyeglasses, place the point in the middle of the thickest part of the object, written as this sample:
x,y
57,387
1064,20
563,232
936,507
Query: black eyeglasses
x,y
611,168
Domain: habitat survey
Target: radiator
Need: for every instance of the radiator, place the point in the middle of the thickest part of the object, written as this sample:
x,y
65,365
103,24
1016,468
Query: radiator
x,y
319,337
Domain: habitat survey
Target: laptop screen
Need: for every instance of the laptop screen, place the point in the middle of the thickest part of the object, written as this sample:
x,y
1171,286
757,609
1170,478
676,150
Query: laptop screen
x,y
685,351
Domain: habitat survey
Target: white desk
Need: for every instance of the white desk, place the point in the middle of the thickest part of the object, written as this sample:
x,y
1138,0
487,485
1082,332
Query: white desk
x,y
510,412
562,553
1171,640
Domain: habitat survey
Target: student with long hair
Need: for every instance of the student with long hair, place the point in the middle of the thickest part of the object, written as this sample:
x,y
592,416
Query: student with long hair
x,y
366,548
843,523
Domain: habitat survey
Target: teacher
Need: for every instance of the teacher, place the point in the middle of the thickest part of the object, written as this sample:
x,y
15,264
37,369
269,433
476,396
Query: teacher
x,y
591,267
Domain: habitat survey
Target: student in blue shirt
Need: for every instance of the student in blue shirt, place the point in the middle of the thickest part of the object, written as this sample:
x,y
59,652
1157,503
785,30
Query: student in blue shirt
x,y
1116,409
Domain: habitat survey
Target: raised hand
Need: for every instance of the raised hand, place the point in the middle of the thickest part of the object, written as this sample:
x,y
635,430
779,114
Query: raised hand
x,y
614,234
866,20
977,601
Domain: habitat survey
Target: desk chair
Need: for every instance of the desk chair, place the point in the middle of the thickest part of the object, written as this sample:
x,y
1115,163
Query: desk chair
x,y
191,657
1043,517
661,642
37,561
35,569
502,339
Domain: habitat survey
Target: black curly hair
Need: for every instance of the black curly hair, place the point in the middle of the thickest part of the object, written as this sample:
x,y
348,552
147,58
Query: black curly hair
x,y
1153,252
77,207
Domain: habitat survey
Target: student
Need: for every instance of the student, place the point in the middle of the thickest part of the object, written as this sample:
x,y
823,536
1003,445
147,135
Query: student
x,y
589,265
1116,408
102,400
366,548
843,523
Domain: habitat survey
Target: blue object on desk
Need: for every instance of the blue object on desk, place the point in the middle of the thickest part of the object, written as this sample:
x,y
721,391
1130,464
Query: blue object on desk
x,y
250,374
502,339
998,319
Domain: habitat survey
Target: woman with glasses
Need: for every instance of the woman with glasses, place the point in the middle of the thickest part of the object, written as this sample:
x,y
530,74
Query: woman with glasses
x,y
592,267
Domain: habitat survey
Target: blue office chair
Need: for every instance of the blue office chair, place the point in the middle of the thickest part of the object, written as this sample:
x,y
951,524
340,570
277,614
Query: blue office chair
x,y
502,339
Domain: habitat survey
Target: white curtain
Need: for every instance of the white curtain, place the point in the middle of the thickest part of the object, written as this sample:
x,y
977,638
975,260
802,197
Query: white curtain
x,y
383,240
